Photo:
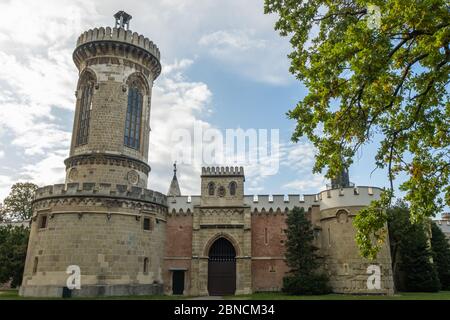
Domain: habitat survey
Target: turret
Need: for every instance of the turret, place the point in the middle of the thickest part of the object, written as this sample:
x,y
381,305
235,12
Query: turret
x,y
111,128
222,185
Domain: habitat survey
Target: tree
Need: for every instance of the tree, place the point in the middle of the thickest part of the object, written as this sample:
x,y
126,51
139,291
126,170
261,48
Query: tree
x,y
18,204
378,81
412,257
301,257
417,262
441,255
13,252
398,224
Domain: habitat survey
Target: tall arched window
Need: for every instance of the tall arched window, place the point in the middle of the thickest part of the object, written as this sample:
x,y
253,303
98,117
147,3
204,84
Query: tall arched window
x,y
132,137
233,187
87,88
211,188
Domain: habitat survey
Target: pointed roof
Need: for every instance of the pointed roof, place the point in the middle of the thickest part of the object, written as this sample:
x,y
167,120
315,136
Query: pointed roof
x,y
174,189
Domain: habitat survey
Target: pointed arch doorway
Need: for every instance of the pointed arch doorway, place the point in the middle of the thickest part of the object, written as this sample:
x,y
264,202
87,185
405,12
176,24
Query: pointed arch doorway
x,y
221,268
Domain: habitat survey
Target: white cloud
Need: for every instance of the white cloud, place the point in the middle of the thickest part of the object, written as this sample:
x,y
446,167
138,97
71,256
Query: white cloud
x,y
179,104
37,78
250,54
313,184
31,23
224,42
300,159
5,185
49,170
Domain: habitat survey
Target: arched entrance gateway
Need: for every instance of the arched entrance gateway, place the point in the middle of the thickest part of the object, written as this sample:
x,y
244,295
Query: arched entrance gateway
x,y
222,268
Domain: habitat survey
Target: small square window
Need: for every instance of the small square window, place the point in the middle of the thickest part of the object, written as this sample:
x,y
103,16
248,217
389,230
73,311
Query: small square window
x,y
147,224
43,222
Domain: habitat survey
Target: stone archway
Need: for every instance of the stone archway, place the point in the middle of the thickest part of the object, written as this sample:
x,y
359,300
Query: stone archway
x,y
221,268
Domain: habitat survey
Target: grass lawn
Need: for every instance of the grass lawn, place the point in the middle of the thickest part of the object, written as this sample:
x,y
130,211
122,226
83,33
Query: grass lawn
x,y
442,295
14,295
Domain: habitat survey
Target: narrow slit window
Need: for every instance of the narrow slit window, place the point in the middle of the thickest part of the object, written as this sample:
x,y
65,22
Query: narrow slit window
x,y
35,265
43,222
146,265
329,236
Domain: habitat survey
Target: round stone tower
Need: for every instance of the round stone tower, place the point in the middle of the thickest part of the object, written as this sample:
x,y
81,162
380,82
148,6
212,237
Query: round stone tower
x,y
103,220
112,118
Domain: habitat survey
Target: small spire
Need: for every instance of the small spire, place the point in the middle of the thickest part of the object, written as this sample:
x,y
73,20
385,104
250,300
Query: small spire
x,y
174,189
122,20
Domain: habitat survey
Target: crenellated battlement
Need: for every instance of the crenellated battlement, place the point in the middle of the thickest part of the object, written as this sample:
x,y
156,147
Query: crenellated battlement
x,y
331,198
101,190
222,171
118,35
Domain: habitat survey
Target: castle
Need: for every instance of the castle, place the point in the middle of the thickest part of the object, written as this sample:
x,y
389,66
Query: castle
x,y
130,240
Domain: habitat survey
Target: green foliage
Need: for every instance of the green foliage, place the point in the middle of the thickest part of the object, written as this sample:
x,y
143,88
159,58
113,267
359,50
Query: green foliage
x,y
370,225
13,251
310,284
365,84
18,204
301,257
441,255
412,258
420,272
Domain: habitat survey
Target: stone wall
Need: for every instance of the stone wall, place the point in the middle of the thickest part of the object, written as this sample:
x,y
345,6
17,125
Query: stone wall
x,y
104,237
209,224
346,268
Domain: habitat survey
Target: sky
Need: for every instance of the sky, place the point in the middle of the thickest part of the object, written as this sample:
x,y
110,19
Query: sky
x,y
224,67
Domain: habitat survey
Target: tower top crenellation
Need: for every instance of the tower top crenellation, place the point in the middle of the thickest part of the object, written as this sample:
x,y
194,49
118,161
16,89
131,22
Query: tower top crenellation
x,y
218,171
118,35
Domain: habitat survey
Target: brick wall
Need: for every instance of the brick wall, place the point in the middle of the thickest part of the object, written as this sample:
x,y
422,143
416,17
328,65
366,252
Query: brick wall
x,y
268,249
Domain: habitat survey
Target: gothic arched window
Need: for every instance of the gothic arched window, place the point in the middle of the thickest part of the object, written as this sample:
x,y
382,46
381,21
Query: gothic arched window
x,y
87,89
211,188
233,187
132,137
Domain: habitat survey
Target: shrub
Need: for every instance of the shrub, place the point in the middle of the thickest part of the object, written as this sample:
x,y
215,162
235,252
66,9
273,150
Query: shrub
x,y
308,284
